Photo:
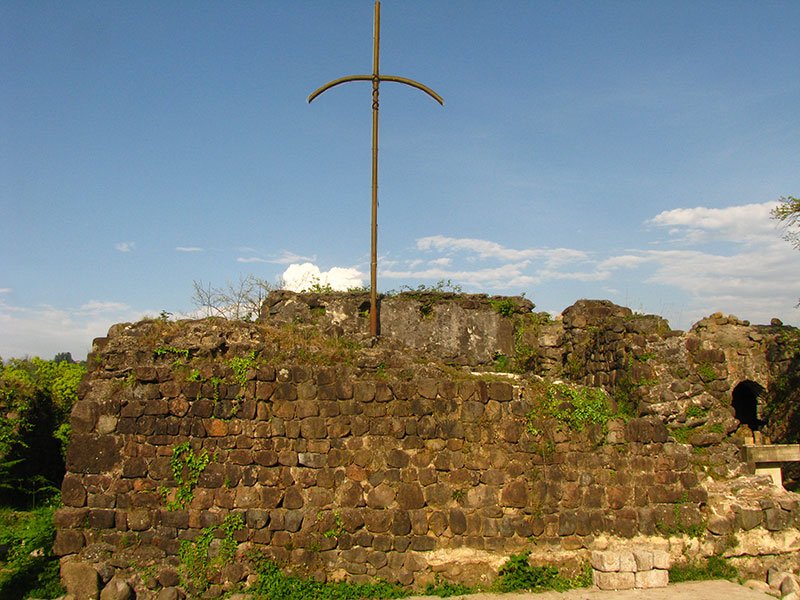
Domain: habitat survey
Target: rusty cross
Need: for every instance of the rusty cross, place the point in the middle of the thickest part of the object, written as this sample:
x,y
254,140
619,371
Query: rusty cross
x,y
376,79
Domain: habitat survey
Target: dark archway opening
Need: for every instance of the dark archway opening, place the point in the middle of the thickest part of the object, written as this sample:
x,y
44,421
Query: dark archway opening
x,y
745,404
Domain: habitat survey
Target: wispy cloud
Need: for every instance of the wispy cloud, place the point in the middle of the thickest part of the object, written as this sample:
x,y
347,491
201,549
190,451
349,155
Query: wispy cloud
x,y
188,249
284,257
251,259
729,259
45,330
125,246
747,223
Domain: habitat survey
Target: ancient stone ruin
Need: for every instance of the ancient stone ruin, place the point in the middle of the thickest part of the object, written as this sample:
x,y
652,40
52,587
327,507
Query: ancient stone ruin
x,y
473,428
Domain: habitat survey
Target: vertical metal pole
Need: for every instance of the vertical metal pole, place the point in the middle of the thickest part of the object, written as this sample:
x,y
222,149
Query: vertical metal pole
x,y
375,78
373,267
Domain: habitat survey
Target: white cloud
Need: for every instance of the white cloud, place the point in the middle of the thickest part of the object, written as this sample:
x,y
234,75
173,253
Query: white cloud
x,y
729,259
6,290
748,223
251,259
625,261
188,249
300,277
488,250
283,258
287,258
46,330
125,246
97,306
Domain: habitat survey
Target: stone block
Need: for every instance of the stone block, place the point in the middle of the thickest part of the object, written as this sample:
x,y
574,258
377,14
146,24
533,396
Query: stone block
x,y
81,580
661,559
654,578
614,581
117,589
68,541
605,561
381,497
410,496
644,559
627,562
790,585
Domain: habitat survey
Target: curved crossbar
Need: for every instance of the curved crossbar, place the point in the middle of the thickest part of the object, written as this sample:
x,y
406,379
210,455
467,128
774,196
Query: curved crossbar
x,y
348,78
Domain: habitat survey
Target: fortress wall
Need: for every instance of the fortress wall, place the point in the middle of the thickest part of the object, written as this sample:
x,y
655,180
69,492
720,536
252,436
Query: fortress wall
x,y
365,461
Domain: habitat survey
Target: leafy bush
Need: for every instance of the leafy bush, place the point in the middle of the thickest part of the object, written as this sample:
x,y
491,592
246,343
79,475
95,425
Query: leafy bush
x,y
574,406
518,574
36,397
505,307
29,569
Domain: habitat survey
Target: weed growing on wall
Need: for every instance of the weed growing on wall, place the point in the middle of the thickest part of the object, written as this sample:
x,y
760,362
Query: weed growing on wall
x,y
241,365
187,466
706,372
273,584
679,526
181,354
338,526
713,567
197,565
573,406
504,307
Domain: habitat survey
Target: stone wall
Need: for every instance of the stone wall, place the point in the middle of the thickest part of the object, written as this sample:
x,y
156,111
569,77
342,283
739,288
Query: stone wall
x,y
344,457
636,357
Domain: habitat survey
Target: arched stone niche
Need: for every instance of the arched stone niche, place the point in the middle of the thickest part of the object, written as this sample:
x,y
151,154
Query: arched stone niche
x,y
745,402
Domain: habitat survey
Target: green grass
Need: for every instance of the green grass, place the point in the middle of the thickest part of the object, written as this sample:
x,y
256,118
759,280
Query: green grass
x,y
273,584
30,570
446,589
713,567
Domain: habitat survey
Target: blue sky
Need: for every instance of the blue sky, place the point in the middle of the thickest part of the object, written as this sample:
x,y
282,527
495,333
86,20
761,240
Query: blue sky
x,y
617,149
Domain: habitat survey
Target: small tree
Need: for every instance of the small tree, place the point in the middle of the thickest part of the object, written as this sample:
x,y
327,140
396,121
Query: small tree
x,y
239,301
788,213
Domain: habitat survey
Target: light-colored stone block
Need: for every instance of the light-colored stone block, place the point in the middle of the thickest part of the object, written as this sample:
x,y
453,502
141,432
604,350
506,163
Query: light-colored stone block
x,y
644,559
606,561
775,577
654,578
614,581
759,586
627,563
790,584
661,560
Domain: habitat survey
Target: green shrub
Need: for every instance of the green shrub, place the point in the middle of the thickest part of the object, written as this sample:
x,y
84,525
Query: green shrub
x,y
574,406
518,574
36,397
504,307
713,567
30,570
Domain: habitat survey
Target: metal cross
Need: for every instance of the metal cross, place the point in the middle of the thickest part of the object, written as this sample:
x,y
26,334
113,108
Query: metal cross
x,y
376,79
